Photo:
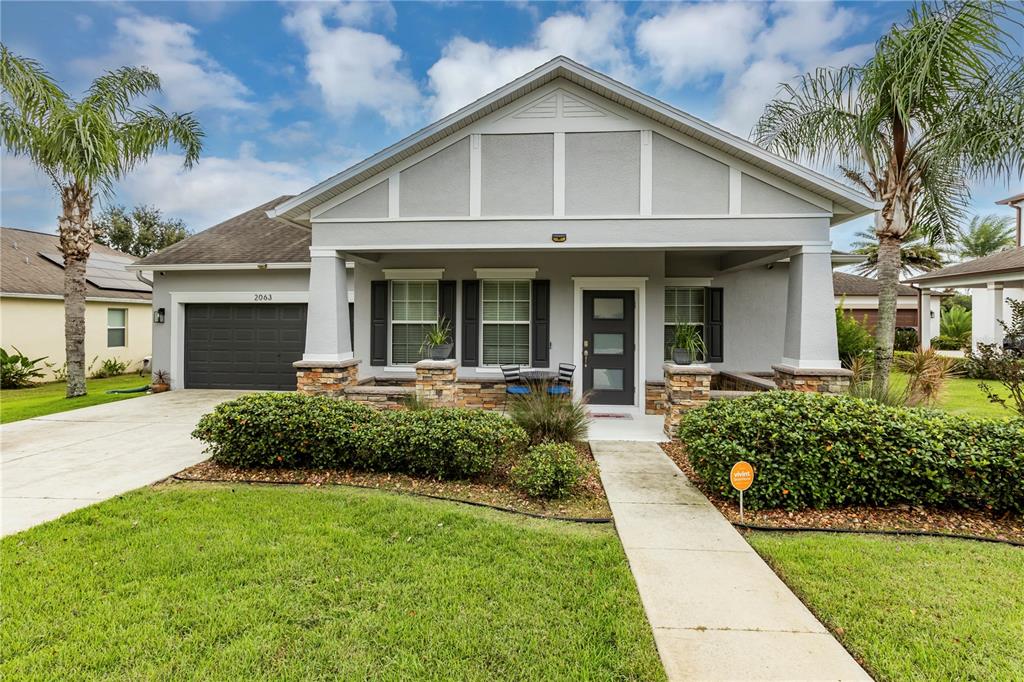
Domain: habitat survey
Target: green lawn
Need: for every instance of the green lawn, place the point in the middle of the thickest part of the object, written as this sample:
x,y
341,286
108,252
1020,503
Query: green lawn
x,y
251,582
25,403
963,396
911,609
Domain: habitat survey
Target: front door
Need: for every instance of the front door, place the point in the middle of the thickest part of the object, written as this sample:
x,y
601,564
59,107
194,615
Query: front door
x,y
609,348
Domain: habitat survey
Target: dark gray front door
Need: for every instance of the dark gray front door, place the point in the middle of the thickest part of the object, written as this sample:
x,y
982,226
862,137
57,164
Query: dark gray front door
x,y
243,345
609,349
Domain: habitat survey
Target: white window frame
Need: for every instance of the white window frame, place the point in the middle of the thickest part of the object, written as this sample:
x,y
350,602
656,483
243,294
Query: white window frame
x,y
123,328
392,322
703,305
528,323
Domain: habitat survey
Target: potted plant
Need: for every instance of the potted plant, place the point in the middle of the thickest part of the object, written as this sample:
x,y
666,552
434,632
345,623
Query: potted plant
x,y
438,340
161,381
688,345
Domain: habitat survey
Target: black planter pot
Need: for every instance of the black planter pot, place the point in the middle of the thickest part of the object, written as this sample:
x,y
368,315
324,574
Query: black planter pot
x,y
681,356
441,352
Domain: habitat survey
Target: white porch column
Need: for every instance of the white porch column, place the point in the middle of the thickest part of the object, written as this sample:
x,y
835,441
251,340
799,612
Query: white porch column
x,y
924,312
987,310
327,328
810,311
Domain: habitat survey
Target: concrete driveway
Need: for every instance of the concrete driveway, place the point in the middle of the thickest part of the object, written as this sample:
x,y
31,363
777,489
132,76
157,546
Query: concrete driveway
x,y
61,462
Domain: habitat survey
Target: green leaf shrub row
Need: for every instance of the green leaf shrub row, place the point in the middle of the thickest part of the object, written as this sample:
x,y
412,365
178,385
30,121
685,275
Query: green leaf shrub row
x,y
817,450
549,471
296,430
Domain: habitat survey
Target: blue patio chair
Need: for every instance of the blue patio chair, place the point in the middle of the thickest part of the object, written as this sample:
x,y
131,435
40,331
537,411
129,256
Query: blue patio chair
x,y
513,382
563,384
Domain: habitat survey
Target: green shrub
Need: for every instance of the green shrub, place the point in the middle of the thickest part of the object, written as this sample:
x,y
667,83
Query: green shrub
x,y
550,419
906,339
548,471
950,343
955,323
17,370
853,337
296,430
815,450
111,367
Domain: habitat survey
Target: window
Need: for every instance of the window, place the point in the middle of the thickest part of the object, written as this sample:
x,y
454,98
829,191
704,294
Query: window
x,y
682,305
117,319
505,317
413,312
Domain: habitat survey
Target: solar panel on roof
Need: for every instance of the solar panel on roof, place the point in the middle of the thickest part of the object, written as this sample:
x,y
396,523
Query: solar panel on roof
x,y
104,271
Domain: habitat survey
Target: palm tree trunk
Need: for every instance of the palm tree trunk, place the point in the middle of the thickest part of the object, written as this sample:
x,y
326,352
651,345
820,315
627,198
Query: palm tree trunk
x,y
76,237
885,332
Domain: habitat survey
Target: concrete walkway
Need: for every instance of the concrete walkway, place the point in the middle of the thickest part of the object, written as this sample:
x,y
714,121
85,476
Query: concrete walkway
x,y
58,463
717,610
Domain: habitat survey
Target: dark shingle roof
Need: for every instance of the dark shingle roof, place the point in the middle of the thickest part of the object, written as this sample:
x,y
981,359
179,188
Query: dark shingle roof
x,y
249,237
1004,261
845,284
23,270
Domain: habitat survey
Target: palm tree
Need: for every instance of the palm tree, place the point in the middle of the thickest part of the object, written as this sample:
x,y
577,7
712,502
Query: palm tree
x,y
83,146
917,253
987,235
938,103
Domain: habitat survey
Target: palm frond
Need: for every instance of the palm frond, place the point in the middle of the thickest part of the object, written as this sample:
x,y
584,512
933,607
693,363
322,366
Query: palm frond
x,y
151,129
114,91
30,89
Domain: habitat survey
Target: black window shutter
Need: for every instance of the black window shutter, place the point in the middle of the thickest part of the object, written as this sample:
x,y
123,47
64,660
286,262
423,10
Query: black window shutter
x,y
541,323
713,317
470,322
446,307
378,322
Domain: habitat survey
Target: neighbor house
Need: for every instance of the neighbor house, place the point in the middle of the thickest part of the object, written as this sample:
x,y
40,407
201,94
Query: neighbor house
x,y
118,314
563,218
858,295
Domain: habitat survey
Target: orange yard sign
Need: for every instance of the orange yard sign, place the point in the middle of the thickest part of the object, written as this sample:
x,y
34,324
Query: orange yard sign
x,y
741,476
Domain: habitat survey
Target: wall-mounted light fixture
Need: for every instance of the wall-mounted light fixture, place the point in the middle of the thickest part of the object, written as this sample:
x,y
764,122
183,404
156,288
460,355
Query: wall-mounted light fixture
x,y
158,315
558,237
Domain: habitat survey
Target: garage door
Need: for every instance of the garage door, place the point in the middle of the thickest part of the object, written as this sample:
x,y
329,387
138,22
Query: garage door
x,y
243,345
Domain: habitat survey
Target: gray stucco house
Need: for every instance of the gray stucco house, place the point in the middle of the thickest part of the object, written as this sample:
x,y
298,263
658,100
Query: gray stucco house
x,y
564,217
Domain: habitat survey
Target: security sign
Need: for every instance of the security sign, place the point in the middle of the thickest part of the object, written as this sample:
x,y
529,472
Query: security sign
x,y
741,476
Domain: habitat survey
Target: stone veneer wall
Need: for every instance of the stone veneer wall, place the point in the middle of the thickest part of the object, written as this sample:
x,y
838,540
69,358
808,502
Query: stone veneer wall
x,y
686,387
812,380
325,378
742,381
655,401
383,395
435,381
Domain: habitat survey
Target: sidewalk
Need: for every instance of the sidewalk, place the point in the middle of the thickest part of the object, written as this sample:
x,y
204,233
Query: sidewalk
x,y
717,610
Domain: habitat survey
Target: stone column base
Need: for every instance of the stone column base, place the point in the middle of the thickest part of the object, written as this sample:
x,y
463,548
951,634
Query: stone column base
x,y
811,380
686,387
436,381
315,377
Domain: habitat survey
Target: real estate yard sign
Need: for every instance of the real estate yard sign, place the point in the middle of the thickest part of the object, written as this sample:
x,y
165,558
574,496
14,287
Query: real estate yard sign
x,y
741,476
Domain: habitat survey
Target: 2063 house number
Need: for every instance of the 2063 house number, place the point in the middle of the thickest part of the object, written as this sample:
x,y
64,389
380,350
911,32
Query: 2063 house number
x,y
262,298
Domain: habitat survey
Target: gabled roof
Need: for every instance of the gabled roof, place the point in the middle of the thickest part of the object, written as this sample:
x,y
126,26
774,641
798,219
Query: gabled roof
x,y
850,203
1012,201
1005,261
31,264
247,238
846,284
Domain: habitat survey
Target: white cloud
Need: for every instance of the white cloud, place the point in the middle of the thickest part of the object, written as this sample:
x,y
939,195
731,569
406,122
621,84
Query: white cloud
x,y
190,77
468,69
215,189
353,69
365,13
692,42
83,22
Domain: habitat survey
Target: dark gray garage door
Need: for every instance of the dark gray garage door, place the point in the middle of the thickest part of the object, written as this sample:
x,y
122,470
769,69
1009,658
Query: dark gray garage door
x,y
243,345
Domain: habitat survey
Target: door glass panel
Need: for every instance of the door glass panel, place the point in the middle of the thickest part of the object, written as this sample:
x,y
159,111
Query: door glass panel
x,y
607,379
608,344
608,308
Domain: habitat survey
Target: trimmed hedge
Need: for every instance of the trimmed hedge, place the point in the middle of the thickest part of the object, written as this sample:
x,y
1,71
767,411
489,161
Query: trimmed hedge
x,y
296,431
549,471
817,450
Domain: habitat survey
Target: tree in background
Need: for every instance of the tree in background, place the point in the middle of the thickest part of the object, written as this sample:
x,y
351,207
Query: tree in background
x,y
84,146
917,254
938,103
139,232
987,235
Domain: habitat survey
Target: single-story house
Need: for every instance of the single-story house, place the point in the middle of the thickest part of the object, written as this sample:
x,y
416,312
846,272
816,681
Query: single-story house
x,y
118,313
859,296
562,218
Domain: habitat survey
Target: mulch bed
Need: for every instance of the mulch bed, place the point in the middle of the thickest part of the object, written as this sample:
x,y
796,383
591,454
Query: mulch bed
x,y
900,517
588,502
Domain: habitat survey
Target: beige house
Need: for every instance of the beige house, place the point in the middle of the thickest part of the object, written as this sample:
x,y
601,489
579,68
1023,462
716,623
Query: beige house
x,y
118,314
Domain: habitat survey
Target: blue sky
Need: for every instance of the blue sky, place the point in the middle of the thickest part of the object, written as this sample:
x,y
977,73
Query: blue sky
x,y
290,93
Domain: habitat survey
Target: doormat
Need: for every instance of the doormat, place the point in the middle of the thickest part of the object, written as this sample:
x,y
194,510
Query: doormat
x,y
610,415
